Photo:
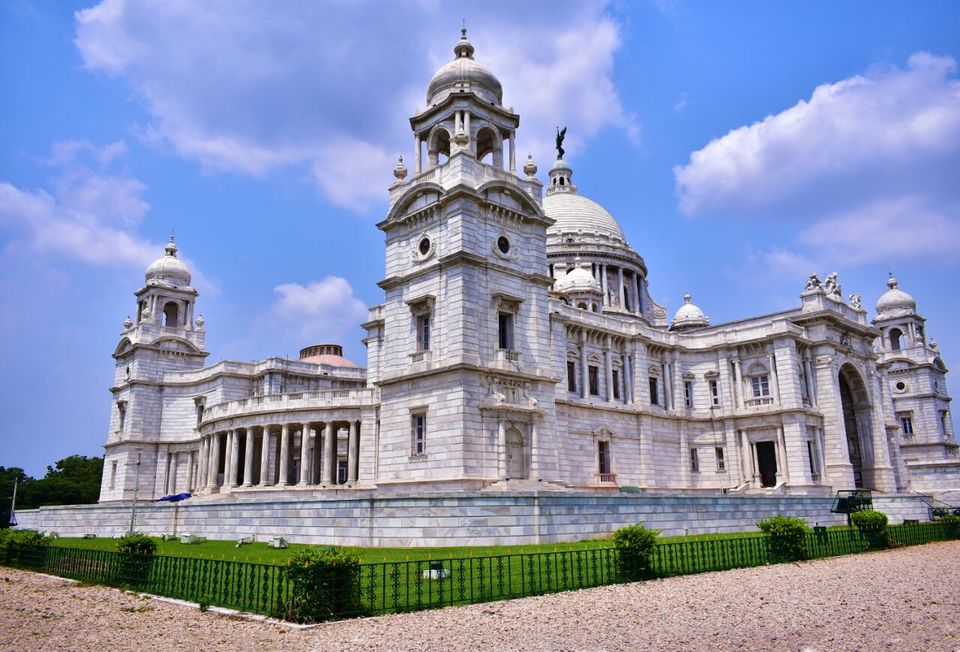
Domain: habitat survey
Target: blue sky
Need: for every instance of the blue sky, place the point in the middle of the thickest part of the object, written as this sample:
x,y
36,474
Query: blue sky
x,y
741,145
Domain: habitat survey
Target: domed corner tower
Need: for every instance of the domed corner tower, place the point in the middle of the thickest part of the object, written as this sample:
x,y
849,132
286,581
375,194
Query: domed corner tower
x,y
916,377
585,230
165,337
461,341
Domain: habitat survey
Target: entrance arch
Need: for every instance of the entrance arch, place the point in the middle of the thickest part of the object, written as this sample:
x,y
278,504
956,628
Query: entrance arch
x,y
516,455
855,401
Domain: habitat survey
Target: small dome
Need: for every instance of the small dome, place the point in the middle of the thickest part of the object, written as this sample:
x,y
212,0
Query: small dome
x,y
577,281
169,270
463,73
328,354
689,315
895,302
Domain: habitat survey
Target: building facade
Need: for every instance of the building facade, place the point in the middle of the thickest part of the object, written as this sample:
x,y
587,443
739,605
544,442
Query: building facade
x,y
518,348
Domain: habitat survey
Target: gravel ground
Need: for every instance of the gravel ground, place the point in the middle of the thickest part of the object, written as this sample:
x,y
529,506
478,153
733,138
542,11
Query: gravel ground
x,y
907,599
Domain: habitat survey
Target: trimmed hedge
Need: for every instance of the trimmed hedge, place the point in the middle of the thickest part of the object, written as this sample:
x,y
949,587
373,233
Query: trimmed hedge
x,y
636,544
873,525
324,584
786,536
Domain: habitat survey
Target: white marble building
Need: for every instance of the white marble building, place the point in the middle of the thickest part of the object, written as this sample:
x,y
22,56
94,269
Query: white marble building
x,y
518,348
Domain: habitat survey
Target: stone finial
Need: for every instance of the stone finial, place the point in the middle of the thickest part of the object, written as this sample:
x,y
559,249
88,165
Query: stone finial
x,y
200,321
400,171
813,283
127,323
856,302
530,167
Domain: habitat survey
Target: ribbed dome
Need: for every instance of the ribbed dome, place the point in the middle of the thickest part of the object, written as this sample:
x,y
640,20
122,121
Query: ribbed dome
x,y
895,302
574,213
463,73
578,280
689,315
169,270
328,354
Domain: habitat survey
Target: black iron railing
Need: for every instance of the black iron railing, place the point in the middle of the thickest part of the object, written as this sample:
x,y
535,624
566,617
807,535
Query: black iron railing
x,y
391,587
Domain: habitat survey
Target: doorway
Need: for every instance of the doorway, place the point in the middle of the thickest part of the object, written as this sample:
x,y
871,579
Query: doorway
x,y
516,462
767,463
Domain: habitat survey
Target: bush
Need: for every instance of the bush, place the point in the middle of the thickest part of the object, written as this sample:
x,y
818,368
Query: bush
x,y
786,538
324,584
952,524
635,543
136,552
26,547
873,525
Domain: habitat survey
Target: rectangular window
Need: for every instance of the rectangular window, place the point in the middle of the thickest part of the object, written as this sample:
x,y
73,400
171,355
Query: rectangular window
x,y
654,394
694,460
423,332
688,393
616,384
505,330
761,386
944,429
122,414
571,375
906,424
721,464
341,471
113,475
813,459
199,413
593,375
714,393
419,434
603,457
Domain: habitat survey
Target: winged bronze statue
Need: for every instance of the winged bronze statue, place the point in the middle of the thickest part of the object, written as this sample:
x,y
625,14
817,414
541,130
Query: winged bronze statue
x,y
561,134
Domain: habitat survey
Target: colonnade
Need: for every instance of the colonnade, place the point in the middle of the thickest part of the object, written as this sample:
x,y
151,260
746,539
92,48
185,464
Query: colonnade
x,y
626,295
288,454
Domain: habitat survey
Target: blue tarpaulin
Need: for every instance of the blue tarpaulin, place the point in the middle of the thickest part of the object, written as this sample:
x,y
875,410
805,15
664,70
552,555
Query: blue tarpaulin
x,y
174,498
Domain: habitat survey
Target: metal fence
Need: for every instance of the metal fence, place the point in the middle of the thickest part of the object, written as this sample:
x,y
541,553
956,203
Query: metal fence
x,y
391,587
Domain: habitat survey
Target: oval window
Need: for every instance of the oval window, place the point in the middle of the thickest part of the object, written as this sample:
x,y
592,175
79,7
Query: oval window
x,y
503,244
424,246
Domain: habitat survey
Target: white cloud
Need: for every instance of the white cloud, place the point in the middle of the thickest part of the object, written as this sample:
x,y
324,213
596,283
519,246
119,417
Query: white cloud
x,y
868,164
321,311
88,215
252,87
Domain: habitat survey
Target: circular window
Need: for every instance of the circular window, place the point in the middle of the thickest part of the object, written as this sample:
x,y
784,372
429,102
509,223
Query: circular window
x,y
424,246
503,244
901,386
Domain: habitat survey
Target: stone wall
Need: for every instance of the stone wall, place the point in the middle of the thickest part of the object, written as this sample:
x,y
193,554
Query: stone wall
x,y
449,520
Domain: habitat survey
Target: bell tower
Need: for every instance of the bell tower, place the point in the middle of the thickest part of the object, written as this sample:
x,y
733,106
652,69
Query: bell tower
x,y
462,339
164,338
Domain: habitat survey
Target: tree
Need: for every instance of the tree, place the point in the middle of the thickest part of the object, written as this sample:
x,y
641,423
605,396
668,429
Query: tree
x,y
74,480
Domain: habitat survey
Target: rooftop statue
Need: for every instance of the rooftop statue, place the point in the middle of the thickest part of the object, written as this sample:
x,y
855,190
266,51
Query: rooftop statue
x,y
561,134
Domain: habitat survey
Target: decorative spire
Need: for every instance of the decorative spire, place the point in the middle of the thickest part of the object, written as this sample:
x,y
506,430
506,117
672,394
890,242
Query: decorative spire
x,y
463,48
171,247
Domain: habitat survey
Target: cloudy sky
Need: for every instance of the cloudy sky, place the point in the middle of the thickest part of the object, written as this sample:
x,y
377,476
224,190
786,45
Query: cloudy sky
x,y
742,145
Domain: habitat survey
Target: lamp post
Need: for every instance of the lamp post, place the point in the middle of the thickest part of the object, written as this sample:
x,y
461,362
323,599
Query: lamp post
x,y
13,503
136,491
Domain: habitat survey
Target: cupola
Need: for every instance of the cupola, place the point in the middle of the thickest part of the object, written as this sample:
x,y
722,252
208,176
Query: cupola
x,y
895,302
689,316
169,269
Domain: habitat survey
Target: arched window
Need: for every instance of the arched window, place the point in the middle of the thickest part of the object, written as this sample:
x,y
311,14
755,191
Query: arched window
x,y
171,314
438,146
489,144
896,339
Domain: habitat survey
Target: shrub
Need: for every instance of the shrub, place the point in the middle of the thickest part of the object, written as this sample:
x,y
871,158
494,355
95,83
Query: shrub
x,y
951,523
873,526
635,543
324,584
786,538
136,552
26,547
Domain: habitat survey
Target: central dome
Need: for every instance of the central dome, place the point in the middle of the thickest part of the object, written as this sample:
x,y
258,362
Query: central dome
x,y
575,213
464,74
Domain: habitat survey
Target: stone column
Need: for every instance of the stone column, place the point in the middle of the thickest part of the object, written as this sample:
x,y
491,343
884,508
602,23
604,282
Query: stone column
x,y
513,152
608,366
203,462
234,457
636,281
417,155
227,457
603,284
627,376
746,459
502,448
677,379
265,457
172,473
808,372
784,466
666,374
248,459
353,451
621,289
738,386
304,454
190,462
213,470
330,454
284,455
584,373
685,470
774,380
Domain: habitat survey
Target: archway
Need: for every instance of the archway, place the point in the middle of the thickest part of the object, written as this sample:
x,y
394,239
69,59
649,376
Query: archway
x,y
896,339
516,457
855,402
171,314
488,144
438,146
